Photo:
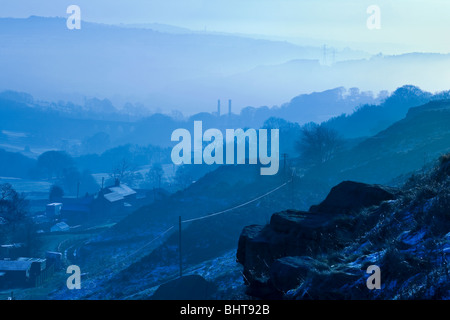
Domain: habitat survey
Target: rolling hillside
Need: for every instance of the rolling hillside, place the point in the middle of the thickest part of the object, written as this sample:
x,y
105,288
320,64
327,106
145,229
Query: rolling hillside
x,y
404,147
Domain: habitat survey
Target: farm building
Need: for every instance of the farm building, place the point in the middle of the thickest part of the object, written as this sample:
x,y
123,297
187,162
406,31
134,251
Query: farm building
x,y
12,251
60,227
77,210
23,272
53,209
119,192
115,200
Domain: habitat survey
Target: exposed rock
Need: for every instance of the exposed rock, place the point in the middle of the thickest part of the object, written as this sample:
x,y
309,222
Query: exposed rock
x,y
277,257
287,273
192,287
349,196
249,232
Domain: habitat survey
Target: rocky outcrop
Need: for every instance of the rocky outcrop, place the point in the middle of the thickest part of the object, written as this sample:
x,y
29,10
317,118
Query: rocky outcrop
x,y
289,272
348,197
279,257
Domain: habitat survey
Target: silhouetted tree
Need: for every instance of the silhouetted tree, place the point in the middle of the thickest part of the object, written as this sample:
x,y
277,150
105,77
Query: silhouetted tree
x,y
15,226
183,177
54,162
13,206
318,143
56,193
155,175
72,179
125,171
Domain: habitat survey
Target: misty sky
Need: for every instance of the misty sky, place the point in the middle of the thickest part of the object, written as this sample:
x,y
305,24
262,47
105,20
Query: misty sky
x,y
407,24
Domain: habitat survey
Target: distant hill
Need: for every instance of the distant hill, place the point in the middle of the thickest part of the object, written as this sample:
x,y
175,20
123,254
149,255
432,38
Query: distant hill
x,y
164,28
172,69
32,127
270,84
66,124
50,127
369,119
120,62
15,165
402,148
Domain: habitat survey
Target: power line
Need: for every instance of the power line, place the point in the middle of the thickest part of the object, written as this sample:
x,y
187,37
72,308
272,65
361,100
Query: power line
x,y
146,245
201,218
207,216
238,206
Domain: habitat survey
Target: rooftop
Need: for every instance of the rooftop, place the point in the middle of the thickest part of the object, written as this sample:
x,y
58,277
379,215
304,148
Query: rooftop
x,y
15,265
118,192
123,190
113,197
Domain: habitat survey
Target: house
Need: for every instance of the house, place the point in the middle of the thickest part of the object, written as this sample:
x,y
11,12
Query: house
x,y
77,210
12,251
36,263
23,272
60,227
14,273
53,209
119,192
115,200
54,259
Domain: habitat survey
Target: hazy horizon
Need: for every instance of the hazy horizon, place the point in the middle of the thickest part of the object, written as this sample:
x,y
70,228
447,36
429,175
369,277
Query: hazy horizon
x,y
406,26
189,71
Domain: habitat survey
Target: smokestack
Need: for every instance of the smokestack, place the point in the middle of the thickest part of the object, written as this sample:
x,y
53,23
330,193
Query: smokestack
x,y
218,108
229,107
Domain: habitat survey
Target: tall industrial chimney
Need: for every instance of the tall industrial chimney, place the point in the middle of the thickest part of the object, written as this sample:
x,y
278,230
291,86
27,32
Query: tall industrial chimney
x,y
218,108
229,107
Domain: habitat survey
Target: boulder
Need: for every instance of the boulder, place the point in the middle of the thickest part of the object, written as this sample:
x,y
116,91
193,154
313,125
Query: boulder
x,y
292,221
276,257
247,234
348,197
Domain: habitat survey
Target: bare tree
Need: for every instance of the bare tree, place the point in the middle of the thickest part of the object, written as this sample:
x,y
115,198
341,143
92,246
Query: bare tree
x,y
123,171
155,175
183,177
318,143
13,206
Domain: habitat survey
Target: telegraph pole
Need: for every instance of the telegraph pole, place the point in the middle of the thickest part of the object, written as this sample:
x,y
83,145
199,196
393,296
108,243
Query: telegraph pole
x,y
284,162
292,189
179,246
